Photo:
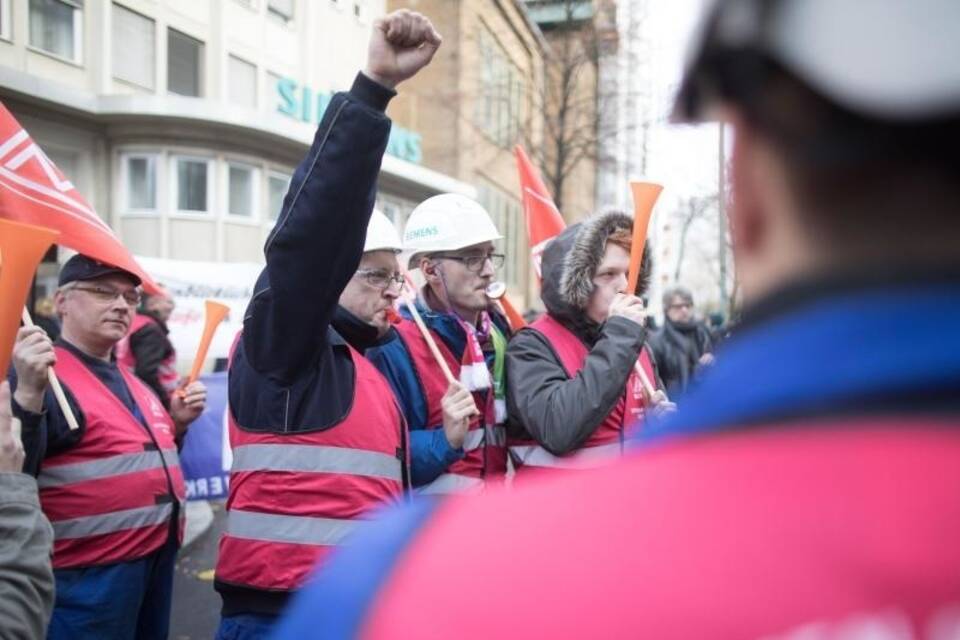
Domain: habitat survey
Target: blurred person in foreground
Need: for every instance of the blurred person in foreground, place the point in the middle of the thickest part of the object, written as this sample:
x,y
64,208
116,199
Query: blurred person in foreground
x,y
26,577
809,485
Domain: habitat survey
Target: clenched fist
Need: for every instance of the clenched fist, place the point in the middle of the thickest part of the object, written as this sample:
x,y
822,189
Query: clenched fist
x,y
401,44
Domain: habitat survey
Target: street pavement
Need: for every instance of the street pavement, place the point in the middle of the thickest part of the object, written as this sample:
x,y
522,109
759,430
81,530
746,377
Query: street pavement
x,y
196,606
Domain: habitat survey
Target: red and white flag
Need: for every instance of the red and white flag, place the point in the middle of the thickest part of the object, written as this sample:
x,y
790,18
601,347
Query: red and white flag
x,y
34,191
544,221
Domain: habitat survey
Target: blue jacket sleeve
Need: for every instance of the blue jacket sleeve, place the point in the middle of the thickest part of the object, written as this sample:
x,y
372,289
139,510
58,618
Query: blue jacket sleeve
x,y
430,452
317,242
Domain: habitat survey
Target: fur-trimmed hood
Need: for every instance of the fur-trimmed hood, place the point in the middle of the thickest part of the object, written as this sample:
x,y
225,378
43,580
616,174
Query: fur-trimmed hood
x,y
569,263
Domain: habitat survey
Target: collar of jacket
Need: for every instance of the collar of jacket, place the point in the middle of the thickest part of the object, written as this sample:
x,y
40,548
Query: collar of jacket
x,y
355,332
448,327
821,352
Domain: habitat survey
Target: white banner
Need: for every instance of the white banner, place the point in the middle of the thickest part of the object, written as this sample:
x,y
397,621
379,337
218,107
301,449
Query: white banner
x,y
191,283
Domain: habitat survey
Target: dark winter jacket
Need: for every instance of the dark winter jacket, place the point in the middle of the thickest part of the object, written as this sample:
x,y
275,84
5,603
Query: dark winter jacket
x,y
151,346
293,371
561,413
677,348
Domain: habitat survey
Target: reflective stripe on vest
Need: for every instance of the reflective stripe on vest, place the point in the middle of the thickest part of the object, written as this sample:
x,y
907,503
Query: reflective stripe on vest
x,y
316,459
112,522
590,457
488,436
452,483
110,497
57,476
271,527
295,495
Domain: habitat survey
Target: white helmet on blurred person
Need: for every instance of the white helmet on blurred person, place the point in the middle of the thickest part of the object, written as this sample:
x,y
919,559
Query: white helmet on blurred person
x,y
447,222
381,234
890,60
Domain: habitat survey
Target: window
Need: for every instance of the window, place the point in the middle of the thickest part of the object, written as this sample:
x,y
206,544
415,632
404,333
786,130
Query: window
x,y
5,17
278,183
192,184
506,214
241,181
500,105
56,26
141,182
184,64
280,9
242,82
133,47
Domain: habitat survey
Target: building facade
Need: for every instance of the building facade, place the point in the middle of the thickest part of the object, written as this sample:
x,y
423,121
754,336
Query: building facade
x,y
572,103
474,103
181,121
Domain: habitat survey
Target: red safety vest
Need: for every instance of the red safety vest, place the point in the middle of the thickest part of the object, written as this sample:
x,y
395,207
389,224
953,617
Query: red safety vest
x,y
843,529
606,442
294,496
485,445
110,498
166,373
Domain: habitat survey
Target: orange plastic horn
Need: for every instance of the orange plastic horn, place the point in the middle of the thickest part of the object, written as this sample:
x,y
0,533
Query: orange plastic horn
x,y
645,195
513,316
214,314
22,247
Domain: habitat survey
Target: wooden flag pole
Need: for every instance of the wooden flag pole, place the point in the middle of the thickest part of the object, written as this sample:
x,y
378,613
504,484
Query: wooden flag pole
x,y
55,384
427,335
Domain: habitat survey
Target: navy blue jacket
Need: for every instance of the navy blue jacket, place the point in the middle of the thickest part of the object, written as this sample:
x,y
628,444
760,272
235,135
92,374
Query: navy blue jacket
x,y
292,371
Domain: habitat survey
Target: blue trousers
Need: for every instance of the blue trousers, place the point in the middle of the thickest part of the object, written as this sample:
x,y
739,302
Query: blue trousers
x,y
123,601
246,626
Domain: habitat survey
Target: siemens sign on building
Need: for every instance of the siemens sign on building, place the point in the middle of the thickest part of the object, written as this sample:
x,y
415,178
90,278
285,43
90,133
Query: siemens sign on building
x,y
300,102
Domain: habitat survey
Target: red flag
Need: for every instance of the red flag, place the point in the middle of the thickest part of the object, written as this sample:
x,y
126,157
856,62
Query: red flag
x,y
544,221
34,191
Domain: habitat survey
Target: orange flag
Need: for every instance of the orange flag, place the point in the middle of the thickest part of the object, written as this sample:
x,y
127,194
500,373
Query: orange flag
x,y
645,195
214,314
34,191
21,249
544,221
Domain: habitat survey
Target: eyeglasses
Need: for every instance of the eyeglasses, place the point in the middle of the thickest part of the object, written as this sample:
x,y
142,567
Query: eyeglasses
x,y
380,278
475,262
108,294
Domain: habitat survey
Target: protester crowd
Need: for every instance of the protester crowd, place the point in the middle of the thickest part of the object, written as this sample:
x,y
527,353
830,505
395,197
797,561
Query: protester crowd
x,y
801,480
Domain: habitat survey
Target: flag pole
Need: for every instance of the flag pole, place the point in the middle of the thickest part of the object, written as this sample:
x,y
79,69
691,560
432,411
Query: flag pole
x,y
55,384
405,294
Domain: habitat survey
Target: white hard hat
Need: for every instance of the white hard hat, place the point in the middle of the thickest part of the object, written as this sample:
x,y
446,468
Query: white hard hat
x,y
446,223
885,59
381,234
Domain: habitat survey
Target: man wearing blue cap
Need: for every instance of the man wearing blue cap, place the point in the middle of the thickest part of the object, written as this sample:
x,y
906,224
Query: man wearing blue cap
x,y
112,489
